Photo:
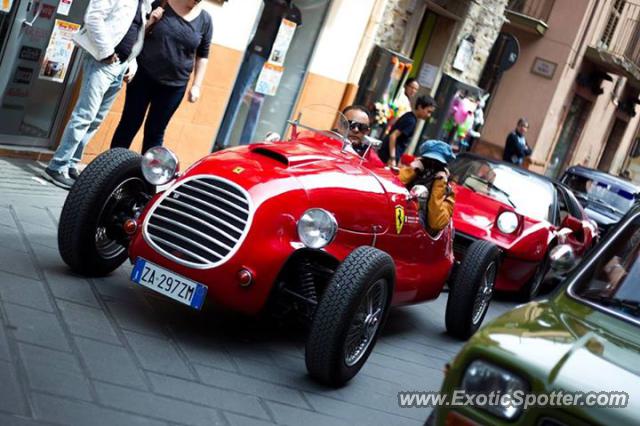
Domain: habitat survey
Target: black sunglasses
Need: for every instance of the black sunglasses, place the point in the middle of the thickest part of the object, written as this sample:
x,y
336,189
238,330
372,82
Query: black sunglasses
x,y
360,127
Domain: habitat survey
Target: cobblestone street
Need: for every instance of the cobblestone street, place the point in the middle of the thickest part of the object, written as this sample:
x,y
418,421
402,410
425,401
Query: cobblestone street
x,y
106,352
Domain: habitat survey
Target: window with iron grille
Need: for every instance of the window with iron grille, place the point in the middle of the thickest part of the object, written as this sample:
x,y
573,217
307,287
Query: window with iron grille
x,y
612,23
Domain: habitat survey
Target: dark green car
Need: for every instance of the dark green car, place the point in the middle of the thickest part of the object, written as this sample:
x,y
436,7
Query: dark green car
x,y
582,345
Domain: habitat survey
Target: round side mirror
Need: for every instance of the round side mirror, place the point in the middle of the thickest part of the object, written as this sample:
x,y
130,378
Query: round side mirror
x,y
375,143
272,137
419,192
563,258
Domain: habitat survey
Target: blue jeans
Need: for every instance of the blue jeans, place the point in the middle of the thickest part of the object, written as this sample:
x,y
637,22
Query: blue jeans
x,y
100,86
249,70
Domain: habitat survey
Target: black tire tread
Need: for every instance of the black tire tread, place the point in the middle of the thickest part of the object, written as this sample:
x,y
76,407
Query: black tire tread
x,y
81,205
462,293
324,343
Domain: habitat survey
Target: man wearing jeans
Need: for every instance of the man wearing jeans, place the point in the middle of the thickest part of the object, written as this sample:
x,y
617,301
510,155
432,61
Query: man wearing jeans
x,y
112,37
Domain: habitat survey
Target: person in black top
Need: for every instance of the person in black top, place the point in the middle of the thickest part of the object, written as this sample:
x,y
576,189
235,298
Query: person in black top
x,y
256,55
394,144
516,148
177,44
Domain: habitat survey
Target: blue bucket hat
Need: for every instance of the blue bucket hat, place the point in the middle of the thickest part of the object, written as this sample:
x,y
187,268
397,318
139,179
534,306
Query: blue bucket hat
x,y
437,150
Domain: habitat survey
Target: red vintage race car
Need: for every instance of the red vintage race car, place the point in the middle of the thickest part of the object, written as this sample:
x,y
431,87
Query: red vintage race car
x,y
305,226
522,213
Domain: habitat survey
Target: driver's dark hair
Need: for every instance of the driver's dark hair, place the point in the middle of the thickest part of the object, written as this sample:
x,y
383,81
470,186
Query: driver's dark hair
x,y
425,101
357,108
411,80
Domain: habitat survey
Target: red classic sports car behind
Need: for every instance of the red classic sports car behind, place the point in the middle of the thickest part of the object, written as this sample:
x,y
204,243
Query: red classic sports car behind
x,y
522,213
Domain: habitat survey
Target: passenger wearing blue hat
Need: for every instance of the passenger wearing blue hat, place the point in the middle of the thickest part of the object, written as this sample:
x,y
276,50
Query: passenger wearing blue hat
x,y
430,170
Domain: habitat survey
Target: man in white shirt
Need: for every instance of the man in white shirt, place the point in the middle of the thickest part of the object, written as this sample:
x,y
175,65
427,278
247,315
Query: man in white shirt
x,y
112,37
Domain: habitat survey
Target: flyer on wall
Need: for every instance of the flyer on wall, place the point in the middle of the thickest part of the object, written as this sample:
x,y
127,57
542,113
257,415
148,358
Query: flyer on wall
x,y
5,5
59,52
269,79
282,42
64,7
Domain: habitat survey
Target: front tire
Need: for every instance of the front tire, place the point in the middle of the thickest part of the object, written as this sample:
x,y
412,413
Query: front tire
x,y
349,316
111,186
533,287
472,289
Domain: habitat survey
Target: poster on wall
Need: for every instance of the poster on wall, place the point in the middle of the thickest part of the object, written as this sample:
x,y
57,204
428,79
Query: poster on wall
x,y
428,74
464,54
58,54
272,71
282,42
64,7
269,79
5,5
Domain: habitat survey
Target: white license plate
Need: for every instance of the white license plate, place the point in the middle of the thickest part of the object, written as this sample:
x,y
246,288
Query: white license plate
x,y
169,283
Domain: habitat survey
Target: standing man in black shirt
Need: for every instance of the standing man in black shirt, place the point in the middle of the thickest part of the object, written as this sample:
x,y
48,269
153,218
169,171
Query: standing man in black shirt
x,y
395,144
516,148
255,57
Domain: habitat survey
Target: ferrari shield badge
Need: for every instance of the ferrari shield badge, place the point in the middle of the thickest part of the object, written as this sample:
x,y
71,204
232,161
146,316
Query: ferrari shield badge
x,y
400,218
238,170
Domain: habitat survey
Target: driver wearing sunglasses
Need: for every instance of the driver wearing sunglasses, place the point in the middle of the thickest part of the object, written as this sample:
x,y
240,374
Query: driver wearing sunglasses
x,y
359,127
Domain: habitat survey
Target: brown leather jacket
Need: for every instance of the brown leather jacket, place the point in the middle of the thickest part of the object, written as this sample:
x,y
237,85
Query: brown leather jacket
x,y
441,200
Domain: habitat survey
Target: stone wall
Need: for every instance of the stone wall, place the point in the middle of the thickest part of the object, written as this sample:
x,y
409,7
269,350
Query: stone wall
x,y
484,21
392,29
482,18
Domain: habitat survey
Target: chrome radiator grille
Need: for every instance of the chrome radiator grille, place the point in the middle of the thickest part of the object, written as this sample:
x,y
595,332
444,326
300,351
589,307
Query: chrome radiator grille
x,y
201,222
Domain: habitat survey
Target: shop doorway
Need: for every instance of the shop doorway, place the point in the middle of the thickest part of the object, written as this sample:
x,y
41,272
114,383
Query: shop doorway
x,y
569,136
37,68
613,143
257,114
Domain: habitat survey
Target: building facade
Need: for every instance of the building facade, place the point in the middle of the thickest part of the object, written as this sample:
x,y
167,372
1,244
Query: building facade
x,y
324,65
576,81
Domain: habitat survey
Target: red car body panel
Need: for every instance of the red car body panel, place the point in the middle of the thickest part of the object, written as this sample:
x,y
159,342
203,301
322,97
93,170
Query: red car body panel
x,y
285,179
475,215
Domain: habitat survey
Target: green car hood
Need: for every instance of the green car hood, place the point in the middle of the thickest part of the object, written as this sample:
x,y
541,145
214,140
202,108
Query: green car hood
x,y
562,344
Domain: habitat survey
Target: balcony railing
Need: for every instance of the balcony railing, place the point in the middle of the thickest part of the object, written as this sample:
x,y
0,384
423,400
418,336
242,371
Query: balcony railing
x,y
620,39
536,9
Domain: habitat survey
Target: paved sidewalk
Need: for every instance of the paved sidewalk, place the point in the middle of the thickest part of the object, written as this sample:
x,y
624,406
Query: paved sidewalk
x,y
106,352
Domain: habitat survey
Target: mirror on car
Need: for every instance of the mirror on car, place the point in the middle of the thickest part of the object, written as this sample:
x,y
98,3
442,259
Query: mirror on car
x,y
563,258
373,142
272,137
572,223
419,193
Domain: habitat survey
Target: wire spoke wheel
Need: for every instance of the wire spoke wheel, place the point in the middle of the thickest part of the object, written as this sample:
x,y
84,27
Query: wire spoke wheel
x,y
365,323
121,200
485,291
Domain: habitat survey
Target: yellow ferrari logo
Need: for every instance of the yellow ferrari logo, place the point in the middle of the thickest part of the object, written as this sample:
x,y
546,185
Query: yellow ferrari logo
x,y
238,170
400,219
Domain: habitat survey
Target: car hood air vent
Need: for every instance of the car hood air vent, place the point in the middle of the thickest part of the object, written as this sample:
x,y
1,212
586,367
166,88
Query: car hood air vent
x,y
291,154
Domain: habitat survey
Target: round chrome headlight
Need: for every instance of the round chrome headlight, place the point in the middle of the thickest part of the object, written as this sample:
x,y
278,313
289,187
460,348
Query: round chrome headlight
x,y
317,228
159,165
507,222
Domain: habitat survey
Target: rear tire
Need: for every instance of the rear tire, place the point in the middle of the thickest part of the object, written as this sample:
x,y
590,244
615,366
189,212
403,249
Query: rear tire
x,y
349,317
110,183
472,288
